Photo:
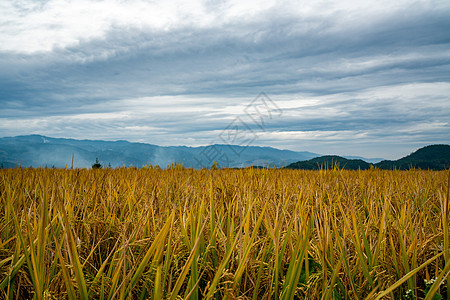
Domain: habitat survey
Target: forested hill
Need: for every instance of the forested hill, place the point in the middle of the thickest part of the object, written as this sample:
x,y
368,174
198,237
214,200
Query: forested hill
x,y
433,157
330,161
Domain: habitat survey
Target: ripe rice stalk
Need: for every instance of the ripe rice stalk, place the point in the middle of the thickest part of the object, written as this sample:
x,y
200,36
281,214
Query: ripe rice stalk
x,y
232,233
406,277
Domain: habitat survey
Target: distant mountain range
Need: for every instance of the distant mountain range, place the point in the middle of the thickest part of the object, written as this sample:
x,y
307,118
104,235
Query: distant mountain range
x,y
433,157
42,151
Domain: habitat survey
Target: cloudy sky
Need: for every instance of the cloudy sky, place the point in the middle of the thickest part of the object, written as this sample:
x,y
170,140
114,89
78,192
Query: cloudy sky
x,y
369,78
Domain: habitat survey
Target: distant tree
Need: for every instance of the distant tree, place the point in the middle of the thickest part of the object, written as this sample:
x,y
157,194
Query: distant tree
x,y
97,164
214,165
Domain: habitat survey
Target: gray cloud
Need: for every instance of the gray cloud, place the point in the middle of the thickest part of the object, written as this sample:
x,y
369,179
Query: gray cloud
x,y
184,84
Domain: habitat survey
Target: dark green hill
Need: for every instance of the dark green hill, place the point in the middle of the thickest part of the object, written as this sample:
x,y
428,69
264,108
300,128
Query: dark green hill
x,y
329,161
434,157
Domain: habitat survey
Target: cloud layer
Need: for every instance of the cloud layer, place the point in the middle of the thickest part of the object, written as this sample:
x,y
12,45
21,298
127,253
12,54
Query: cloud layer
x,y
354,78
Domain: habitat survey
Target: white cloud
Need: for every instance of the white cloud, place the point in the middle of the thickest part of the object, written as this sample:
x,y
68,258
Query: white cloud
x,y
62,23
30,26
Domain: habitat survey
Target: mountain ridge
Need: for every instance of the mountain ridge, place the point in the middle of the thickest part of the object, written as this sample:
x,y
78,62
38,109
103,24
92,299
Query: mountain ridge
x,y
432,157
329,161
42,151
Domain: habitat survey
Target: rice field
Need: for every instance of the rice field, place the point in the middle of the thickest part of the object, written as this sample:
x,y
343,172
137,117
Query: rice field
x,y
178,233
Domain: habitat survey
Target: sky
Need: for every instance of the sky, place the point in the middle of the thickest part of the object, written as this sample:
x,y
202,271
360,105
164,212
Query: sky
x,y
367,78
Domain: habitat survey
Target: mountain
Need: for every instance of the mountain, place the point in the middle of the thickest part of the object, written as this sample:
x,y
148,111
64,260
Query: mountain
x,y
433,157
42,151
329,161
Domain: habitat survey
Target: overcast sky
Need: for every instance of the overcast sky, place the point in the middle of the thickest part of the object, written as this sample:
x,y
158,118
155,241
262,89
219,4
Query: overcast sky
x,y
369,78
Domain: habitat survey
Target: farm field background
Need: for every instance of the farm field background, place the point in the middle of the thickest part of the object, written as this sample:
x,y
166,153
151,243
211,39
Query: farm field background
x,y
180,233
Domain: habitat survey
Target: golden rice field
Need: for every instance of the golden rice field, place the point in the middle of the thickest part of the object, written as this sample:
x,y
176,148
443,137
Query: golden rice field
x,y
147,233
